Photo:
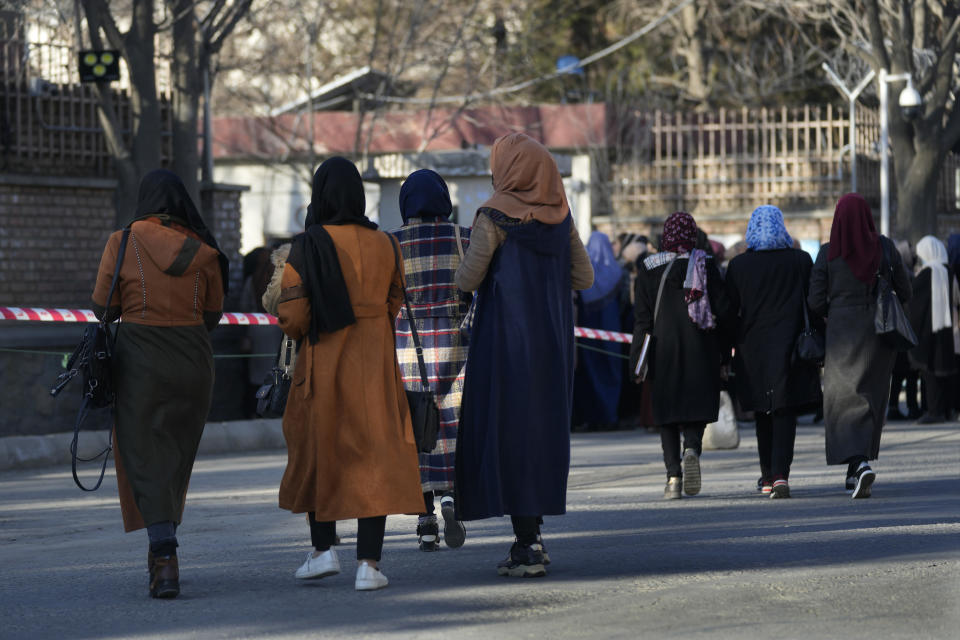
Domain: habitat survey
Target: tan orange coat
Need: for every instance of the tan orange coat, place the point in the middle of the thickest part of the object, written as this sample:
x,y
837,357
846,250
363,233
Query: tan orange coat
x,y
350,447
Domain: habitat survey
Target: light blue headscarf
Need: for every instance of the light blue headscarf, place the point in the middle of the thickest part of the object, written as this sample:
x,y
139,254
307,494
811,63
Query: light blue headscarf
x,y
766,230
607,272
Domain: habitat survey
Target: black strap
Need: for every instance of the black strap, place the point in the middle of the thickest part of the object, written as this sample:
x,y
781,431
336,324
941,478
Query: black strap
x,y
413,328
656,306
803,297
84,409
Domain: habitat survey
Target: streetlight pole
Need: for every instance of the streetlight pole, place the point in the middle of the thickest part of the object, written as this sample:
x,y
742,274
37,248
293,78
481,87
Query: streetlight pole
x,y
884,79
851,96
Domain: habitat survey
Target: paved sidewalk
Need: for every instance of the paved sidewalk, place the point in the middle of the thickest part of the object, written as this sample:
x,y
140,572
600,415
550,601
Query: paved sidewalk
x,y
626,564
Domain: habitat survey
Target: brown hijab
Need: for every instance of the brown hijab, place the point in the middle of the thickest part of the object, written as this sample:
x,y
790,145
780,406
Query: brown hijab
x,y
854,237
526,181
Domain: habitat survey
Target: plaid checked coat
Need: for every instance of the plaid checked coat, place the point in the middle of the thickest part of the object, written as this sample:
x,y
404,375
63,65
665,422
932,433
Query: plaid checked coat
x,y
430,260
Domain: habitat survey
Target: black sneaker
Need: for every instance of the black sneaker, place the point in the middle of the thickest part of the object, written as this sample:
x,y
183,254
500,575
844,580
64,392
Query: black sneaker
x,y
524,561
454,533
429,532
865,477
850,484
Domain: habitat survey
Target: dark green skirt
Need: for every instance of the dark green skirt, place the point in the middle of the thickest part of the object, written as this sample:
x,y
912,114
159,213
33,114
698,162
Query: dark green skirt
x,y
164,382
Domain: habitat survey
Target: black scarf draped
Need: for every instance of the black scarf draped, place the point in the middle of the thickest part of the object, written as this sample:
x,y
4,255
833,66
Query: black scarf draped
x,y
337,198
162,195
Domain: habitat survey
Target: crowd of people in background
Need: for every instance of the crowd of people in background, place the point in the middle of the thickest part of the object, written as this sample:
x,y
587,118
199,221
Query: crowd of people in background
x,y
494,306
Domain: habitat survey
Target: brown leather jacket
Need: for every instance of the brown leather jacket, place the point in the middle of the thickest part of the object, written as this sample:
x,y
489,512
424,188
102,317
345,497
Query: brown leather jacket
x,y
169,277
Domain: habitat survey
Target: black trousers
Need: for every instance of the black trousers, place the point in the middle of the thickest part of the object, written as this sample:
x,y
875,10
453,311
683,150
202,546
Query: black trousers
x,y
526,528
897,381
937,389
670,441
776,433
369,536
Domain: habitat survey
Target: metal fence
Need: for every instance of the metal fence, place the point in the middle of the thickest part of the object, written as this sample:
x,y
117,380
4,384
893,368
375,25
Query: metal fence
x,y
729,160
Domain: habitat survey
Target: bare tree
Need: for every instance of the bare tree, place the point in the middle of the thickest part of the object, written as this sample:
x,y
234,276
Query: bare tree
x,y
922,38
196,32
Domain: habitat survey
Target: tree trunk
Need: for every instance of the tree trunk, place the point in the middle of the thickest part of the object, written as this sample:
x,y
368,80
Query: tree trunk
x,y
145,110
697,88
185,98
916,207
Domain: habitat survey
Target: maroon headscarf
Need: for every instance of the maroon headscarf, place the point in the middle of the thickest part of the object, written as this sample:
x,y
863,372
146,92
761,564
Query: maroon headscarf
x,y
679,233
854,237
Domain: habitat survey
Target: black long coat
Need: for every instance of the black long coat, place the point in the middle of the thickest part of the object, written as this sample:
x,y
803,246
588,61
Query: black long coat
x,y
685,367
767,290
934,353
856,371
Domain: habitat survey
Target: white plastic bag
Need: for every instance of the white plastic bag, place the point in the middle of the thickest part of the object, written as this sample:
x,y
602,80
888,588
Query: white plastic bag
x,y
724,433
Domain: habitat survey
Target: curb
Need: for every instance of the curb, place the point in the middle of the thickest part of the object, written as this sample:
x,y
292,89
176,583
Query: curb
x,y
28,452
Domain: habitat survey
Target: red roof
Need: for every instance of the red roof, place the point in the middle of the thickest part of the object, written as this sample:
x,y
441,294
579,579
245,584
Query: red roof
x,y
557,126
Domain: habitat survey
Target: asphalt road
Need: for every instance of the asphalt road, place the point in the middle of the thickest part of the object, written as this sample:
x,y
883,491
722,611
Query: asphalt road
x,y
725,564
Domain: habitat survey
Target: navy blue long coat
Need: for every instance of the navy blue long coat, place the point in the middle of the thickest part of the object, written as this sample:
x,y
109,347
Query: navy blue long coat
x,y
513,447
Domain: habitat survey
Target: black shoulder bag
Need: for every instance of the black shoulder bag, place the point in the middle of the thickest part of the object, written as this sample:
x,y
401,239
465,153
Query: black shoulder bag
x,y
811,345
891,322
424,413
91,361
272,395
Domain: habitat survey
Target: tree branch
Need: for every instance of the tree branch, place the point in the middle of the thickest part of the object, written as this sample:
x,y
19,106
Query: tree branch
x,y
876,33
99,17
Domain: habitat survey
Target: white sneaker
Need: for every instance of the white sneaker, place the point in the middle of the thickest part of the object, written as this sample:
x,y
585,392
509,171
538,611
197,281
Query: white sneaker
x,y
325,564
369,579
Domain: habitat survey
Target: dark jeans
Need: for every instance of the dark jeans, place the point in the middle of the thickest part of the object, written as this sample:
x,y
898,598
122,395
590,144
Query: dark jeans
x,y
775,437
670,441
526,528
937,389
369,536
163,538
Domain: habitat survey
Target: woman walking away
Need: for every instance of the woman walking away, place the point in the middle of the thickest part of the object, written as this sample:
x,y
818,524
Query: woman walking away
x,y
681,300
931,318
169,296
858,364
525,258
350,446
599,372
905,373
767,286
432,250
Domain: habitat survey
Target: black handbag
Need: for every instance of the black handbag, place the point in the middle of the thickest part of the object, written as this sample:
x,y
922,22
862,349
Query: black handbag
x,y
91,361
272,395
811,345
891,322
424,413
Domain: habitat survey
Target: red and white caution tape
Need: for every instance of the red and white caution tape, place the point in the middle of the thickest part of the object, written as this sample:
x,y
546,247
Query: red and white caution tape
x,y
245,319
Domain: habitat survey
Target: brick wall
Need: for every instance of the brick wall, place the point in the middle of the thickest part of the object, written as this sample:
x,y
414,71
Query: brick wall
x,y
52,233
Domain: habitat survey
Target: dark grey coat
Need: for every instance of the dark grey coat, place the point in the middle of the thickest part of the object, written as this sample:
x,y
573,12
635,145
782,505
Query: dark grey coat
x,y
685,367
856,372
768,288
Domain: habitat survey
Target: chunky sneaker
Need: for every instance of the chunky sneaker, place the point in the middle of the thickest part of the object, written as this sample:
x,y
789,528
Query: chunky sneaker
x,y
454,532
850,484
543,550
429,532
524,561
765,486
780,489
691,472
164,576
672,491
369,578
865,477
320,566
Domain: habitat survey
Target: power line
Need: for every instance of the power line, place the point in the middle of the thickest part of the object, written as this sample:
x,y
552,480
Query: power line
x,y
603,53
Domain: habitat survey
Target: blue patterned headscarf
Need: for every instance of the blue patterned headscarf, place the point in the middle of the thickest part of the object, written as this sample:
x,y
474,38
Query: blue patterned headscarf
x,y
766,230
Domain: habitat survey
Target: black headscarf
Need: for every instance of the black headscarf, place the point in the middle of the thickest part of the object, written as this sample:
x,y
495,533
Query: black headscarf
x,y
337,198
162,195
424,194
